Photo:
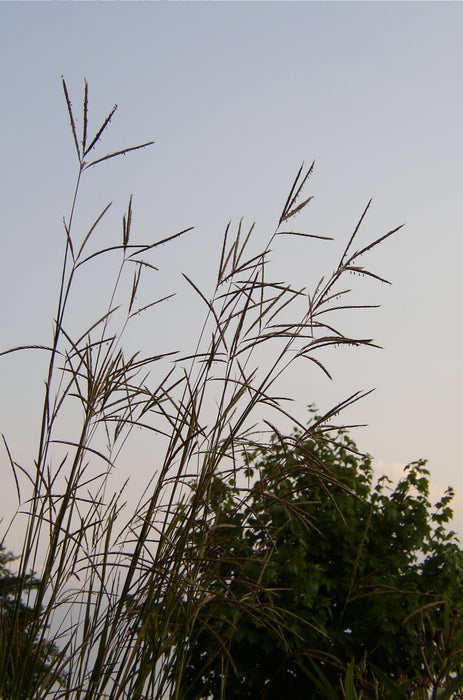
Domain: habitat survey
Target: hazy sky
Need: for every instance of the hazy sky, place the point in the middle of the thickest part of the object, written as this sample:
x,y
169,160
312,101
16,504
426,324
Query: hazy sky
x,y
236,96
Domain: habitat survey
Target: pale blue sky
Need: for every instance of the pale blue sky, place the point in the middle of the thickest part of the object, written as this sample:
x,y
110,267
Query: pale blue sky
x,y
236,95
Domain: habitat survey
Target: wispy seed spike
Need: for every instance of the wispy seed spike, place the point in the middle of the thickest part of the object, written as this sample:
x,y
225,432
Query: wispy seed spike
x,y
126,224
136,281
297,209
248,235
305,235
304,180
100,131
375,243
117,153
236,245
288,201
222,256
355,233
71,117
294,193
84,132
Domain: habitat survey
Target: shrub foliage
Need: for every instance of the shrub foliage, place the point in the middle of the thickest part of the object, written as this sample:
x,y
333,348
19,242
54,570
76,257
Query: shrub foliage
x,y
360,571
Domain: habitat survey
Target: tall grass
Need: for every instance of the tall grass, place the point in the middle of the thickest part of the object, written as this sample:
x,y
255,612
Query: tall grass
x,y
120,587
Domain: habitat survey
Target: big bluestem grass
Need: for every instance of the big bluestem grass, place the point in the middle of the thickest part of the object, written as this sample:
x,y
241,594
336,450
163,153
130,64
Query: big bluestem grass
x,y
120,588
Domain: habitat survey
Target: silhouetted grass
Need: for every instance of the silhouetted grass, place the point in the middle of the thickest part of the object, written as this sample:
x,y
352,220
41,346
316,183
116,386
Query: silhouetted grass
x,y
120,588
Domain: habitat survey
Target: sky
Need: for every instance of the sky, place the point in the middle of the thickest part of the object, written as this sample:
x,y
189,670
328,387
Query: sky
x,y
236,96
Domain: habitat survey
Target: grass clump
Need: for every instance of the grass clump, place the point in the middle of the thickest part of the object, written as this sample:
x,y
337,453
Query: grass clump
x,y
121,589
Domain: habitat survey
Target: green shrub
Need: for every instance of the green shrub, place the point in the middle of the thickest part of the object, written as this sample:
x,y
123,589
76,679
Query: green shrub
x,y
363,574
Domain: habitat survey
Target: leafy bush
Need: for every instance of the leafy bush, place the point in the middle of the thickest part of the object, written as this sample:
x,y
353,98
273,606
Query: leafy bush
x,y
359,572
16,639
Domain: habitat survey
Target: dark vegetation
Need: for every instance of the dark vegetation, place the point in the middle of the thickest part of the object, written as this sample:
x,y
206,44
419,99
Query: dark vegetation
x,y
16,639
255,564
359,571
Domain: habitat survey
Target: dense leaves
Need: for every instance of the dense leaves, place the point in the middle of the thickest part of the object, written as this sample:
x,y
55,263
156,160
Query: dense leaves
x,y
19,635
359,571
